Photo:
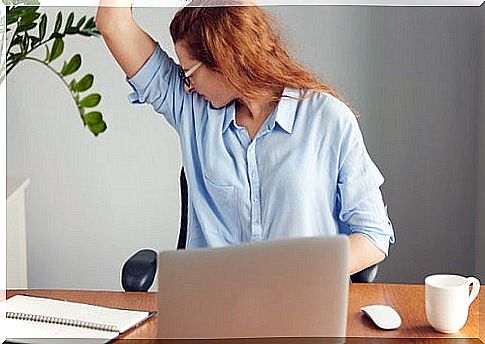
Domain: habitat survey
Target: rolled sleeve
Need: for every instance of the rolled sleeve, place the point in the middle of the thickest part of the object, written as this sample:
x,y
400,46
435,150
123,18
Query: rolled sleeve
x,y
157,83
381,234
142,80
362,208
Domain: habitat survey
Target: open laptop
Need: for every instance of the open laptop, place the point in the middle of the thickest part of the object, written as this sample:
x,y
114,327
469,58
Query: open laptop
x,y
285,288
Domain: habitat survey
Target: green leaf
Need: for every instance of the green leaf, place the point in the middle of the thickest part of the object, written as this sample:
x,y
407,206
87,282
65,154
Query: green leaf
x,y
81,22
93,117
25,42
97,128
27,21
29,6
57,49
47,53
17,40
17,12
71,30
26,26
14,14
89,28
72,66
58,23
69,21
90,101
86,33
14,57
72,84
34,41
89,24
29,17
56,35
84,84
42,27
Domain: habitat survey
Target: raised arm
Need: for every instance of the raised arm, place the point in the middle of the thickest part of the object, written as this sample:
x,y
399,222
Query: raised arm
x,y
129,44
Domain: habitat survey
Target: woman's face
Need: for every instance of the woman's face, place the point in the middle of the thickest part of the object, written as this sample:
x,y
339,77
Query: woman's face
x,y
209,84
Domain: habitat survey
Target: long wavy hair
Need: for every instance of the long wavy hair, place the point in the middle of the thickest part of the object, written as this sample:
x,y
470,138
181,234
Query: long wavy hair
x,y
236,39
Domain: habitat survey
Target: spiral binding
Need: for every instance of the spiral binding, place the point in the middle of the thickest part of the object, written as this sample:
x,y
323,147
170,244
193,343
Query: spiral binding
x,y
61,321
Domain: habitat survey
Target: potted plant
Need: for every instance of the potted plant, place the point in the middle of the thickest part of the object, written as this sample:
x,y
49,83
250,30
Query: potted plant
x,y
27,31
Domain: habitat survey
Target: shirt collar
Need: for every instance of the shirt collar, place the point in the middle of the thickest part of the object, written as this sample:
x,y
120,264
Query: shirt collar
x,y
285,111
230,116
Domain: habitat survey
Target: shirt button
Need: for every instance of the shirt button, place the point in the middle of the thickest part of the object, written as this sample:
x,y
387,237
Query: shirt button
x,y
253,174
256,199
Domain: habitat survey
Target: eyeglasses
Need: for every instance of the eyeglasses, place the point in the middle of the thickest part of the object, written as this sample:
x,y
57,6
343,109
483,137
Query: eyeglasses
x,y
186,75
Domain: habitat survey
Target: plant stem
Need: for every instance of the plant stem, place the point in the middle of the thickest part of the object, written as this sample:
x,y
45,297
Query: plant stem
x,y
38,45
62,79
11,65
13,37
52,69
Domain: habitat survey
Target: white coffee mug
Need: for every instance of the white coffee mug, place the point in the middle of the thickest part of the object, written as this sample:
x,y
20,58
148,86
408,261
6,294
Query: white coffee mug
x,y
448,298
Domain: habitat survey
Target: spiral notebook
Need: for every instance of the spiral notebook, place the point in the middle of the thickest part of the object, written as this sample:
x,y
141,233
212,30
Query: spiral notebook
x,y
40,320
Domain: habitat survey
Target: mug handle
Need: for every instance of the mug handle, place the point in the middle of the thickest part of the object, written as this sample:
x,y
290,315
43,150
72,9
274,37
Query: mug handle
x,y
475,288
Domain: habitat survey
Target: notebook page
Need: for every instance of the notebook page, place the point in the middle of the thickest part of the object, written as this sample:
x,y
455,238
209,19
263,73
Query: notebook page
x,y
122,319
21,329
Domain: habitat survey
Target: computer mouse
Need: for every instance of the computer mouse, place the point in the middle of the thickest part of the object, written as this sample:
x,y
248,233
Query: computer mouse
x,y
384,317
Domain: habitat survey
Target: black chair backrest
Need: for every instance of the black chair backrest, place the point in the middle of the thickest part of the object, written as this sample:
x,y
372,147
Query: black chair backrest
x,y
183,211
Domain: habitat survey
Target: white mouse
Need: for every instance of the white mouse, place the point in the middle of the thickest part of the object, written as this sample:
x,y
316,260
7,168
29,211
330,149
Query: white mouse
x,y
383,316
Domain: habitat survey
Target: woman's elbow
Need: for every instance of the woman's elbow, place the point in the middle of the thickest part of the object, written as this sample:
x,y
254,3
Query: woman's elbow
x,y
110,20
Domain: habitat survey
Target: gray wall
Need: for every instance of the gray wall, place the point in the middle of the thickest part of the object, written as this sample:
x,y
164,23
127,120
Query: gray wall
x,y
480,220
411,72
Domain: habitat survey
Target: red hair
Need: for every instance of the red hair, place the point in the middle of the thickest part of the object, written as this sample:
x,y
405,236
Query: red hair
x,y
237,40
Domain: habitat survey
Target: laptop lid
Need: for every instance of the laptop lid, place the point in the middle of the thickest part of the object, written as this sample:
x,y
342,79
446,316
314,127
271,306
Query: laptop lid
x,y
285,288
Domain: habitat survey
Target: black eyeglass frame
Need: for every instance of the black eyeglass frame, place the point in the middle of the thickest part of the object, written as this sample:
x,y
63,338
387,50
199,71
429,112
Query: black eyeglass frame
x,y
186,76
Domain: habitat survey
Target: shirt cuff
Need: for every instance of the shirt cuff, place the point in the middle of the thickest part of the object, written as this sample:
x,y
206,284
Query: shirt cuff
x,y
142,79
381,241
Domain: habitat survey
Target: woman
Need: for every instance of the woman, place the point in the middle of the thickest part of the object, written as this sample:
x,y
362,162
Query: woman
x,y
269,152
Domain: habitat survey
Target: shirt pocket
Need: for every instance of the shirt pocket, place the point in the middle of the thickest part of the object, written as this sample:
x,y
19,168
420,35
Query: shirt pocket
x,y
223,201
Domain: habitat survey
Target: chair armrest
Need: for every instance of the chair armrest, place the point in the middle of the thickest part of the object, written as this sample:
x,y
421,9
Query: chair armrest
x,y
367,275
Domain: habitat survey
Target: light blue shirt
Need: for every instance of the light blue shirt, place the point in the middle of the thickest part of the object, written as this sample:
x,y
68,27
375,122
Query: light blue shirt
x,y
305,173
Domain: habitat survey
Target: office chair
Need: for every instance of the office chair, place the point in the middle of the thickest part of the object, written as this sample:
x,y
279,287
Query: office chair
x,y
139,270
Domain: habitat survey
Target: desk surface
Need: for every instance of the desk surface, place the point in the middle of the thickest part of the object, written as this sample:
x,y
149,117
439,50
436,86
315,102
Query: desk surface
x,y
408,300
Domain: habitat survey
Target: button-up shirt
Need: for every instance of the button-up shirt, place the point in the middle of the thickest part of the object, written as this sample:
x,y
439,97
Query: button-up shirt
x,y
305,173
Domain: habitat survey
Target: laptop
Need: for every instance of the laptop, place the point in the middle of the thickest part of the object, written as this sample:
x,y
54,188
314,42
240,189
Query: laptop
x,y
285,288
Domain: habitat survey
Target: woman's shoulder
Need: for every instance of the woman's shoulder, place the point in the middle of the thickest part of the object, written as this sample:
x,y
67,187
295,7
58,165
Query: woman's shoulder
x,y
322,105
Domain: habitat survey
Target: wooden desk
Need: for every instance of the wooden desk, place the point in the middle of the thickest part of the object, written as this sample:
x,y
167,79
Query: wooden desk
x,y
408,300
